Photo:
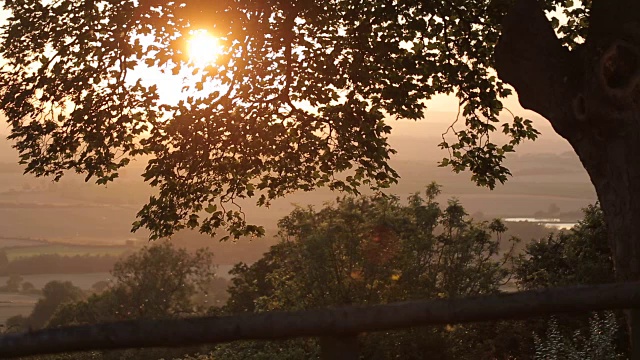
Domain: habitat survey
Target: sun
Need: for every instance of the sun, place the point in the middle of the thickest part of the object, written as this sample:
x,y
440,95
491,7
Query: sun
x,y
203,48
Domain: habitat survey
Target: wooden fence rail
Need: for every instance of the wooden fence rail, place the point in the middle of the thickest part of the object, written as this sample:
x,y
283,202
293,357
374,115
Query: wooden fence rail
x,y
343,322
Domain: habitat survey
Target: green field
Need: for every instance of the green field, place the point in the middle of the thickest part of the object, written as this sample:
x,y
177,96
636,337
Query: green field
x,y
65,250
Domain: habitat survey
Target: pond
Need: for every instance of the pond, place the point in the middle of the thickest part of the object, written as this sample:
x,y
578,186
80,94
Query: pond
x,y
550,223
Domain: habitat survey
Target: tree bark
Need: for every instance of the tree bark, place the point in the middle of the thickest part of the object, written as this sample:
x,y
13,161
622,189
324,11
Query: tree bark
x,y
591,96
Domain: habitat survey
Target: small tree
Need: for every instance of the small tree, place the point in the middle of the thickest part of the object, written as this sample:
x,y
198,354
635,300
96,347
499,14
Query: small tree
x,y
158,281
13,283
28,287
55,294
578,256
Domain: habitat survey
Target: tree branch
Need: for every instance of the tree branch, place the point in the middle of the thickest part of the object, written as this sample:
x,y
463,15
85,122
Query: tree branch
x,y
531,58
325,322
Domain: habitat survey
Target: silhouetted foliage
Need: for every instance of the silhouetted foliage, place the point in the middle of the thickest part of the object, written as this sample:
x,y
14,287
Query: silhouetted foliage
x,y
158,281
55,294
596,343
578,256
371,250
354,62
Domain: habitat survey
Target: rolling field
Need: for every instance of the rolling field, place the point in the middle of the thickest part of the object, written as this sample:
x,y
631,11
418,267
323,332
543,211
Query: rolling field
x,y
15,304
64,250
13,242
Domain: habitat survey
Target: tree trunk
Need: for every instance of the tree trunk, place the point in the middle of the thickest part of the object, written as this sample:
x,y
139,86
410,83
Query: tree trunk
x,y
618,189
591,97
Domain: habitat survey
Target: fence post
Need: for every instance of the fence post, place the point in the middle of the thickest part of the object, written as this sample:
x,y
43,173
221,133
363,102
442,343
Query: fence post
x,y
634,333
339,347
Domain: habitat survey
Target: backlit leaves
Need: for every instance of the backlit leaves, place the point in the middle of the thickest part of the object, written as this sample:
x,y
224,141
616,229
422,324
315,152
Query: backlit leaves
x,y
300,98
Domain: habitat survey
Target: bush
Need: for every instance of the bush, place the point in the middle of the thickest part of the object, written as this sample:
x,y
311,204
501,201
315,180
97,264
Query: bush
x,y
373,250
598,343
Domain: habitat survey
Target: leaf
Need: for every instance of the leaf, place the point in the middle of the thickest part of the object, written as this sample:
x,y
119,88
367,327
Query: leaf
x,y
211,208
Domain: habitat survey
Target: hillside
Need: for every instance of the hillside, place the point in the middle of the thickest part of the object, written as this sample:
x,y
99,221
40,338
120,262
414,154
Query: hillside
x,y
545,173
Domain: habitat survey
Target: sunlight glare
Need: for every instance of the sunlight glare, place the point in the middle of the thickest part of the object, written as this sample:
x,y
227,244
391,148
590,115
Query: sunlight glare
x,y
204,48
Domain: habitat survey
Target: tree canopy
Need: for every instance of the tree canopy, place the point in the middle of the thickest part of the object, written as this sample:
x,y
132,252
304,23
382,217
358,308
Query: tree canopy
x,y
579,256
299,98
376,250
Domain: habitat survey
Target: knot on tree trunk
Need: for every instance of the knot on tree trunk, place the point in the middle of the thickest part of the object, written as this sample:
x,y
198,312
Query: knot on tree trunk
x,y
619,67
610,98
591,91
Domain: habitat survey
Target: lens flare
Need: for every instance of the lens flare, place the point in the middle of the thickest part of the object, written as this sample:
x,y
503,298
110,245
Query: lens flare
x,y
203,48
